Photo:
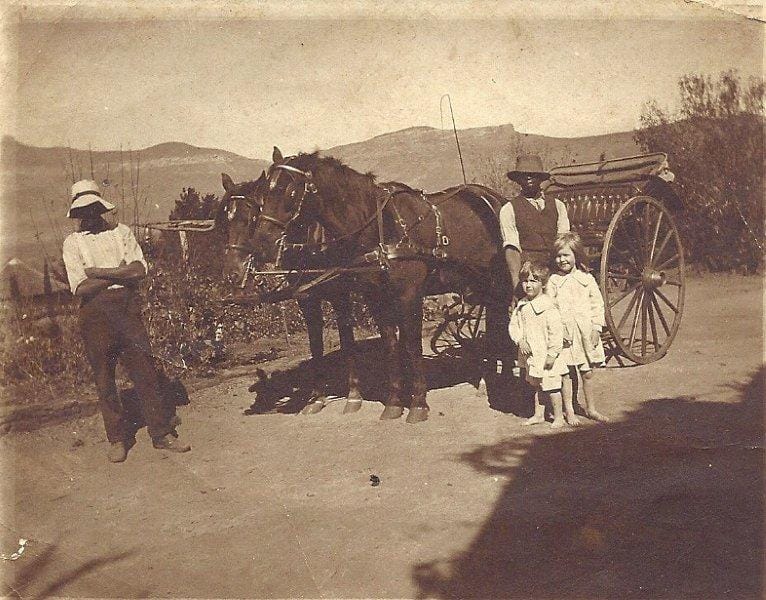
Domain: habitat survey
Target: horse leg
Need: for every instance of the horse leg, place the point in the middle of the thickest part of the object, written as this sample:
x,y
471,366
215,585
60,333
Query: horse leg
x,y
342,306
385,317
410,335
312,314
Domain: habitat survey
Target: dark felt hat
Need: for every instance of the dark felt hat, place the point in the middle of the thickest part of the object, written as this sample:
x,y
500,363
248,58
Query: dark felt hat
x,y
528,164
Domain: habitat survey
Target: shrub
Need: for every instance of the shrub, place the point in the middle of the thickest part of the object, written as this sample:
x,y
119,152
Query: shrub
x,y
714,142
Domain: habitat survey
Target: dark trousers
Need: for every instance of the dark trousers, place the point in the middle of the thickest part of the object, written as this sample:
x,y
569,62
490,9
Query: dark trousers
x,y
112,329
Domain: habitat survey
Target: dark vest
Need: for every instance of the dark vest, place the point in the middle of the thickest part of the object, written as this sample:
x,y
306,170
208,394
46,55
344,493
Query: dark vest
x,y
537,228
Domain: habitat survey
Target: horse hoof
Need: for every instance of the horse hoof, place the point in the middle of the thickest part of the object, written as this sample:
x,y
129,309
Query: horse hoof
x,y
417,414
352,406
392,412
313,408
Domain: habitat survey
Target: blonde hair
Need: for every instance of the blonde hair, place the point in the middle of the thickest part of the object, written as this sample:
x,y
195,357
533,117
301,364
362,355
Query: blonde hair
x,y
538,270
574,242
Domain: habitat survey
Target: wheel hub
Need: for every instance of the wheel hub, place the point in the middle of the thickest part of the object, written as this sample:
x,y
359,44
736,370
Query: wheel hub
x,y
653,279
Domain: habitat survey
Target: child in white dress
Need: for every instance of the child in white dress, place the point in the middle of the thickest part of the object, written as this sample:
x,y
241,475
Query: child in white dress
x,y
537,330
575,292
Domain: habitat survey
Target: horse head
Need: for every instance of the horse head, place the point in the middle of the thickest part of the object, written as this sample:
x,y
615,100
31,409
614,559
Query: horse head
x,y
312,193
286,206
240,207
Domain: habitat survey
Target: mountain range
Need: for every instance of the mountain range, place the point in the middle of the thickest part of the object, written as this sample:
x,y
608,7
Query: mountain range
x,y
35,180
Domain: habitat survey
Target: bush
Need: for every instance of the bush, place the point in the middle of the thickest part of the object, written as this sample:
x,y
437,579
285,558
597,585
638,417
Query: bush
x,y
715,144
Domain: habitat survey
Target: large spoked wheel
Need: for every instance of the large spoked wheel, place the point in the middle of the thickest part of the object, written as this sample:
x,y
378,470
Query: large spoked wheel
x,y
642,279
461,329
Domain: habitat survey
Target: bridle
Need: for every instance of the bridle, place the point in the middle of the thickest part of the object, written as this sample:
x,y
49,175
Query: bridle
x,y
252,219
309,188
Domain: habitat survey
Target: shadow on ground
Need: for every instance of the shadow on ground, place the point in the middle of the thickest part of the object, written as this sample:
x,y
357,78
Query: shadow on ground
x,y
667,503
285,390
24,580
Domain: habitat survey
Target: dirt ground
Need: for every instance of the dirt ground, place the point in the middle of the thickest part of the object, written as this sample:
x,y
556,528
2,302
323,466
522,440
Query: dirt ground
x,y
664,502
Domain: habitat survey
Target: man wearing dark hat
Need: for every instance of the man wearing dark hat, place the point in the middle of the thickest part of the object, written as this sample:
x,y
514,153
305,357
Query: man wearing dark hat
x,y
104,264
529,223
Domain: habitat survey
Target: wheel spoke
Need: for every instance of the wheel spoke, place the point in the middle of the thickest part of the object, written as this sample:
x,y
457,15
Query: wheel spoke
x,y
634,326
627,292
667,263
625,251
660,315
637,246
664,298
654,238
652,323
627,311
645,220
473,327
664,243
623,276
643,326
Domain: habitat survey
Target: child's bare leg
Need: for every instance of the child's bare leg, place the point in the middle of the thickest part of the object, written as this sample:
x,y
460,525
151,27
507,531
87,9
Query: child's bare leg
x,y
566,393
590,398
539,416
558,413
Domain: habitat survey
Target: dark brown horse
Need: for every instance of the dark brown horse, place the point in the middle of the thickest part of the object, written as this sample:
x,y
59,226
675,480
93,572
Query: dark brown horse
x,y
424,244
301,249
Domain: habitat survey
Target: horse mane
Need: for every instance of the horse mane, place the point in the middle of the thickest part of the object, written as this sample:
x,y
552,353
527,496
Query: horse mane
x,y
337,180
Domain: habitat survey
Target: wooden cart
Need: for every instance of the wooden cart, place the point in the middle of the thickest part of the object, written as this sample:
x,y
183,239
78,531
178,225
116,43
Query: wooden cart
x,y
623,209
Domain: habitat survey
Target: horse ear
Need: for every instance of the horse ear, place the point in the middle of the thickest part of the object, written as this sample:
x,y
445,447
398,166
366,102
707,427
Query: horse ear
x,y
228,184
277,157
263,176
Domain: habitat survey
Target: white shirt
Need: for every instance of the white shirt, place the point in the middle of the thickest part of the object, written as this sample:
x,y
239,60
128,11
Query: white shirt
x,y
508,221
106,249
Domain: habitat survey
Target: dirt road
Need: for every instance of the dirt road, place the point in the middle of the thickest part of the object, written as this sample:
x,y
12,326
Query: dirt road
x,y
666,501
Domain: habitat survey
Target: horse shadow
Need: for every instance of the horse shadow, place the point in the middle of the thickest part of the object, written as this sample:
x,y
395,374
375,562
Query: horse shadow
x,y
172,394
286,390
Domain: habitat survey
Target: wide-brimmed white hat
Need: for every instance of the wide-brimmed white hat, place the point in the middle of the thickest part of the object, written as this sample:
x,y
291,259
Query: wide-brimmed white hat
x,y
86,192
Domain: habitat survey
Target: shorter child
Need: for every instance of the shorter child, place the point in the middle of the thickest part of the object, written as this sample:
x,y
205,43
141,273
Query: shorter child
x,y
536,328
576,294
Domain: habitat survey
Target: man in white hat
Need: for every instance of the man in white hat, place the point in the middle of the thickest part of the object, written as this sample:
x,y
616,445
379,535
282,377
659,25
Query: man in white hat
x,y
529,223
104,264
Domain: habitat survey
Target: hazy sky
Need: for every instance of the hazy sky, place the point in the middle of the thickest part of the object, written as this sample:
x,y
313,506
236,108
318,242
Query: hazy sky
x,y
306,75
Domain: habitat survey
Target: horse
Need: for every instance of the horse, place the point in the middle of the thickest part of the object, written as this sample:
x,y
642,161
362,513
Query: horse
x,y
240,208
423,244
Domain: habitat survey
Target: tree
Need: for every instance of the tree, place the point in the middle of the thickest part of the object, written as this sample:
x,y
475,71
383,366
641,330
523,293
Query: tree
x,y
715,143
205,249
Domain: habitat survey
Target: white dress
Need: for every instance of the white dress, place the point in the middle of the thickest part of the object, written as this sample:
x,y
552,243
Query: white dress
x,y
579,300
539,323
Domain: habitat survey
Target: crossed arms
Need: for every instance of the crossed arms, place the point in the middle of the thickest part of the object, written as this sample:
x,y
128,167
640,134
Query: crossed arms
x,y
99,278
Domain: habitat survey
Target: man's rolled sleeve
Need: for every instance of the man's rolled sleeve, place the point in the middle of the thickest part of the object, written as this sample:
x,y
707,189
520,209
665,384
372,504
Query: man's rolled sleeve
x,y
74,263
508,229
133,251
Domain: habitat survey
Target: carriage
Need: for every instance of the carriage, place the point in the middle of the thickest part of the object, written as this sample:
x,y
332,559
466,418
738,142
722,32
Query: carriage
x,y
623,210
